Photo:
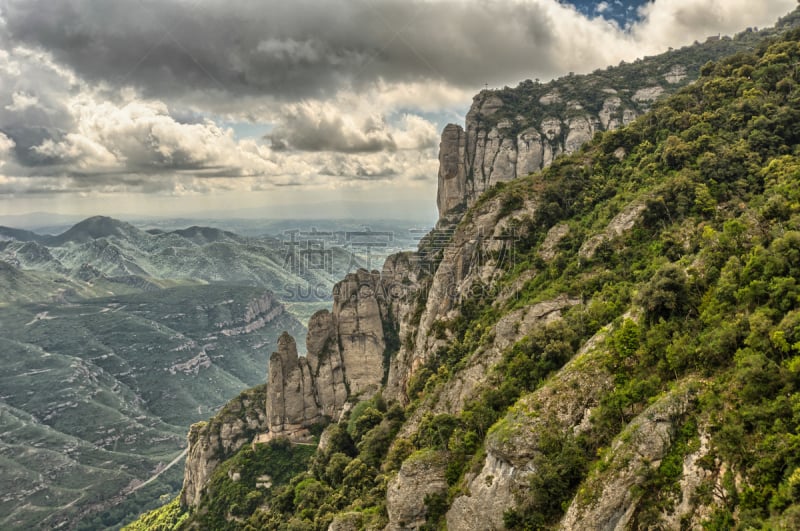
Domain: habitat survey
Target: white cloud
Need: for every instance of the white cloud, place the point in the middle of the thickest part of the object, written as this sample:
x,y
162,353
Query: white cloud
x,y
416,133
324,126
6,146
678,22
374,119
21,101
141,136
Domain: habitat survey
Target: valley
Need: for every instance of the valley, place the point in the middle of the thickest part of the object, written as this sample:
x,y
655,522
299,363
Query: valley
x,y
114,339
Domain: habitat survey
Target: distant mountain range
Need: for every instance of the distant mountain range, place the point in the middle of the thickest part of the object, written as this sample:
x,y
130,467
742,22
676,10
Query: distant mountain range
x,y
116,255
114,339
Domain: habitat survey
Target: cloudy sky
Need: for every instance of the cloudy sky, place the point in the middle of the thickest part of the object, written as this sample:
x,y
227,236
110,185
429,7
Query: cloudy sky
x,y
176,107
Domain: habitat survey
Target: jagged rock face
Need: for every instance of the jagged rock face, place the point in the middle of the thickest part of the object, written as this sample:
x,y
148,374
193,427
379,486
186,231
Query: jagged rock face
x,y
419,476
202,458
554,236
345,358
469,260
565,404
291,401
452,175
403,278
465,385
641,445
622,223
487,151
359,310
259,313
327,366
212,442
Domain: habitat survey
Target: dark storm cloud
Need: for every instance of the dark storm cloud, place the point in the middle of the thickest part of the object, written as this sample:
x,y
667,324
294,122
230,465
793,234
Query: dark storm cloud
x,y
310,127
293,49
32,104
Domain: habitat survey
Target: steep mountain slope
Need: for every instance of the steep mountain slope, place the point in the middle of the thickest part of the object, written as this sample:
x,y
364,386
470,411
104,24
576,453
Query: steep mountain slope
x,y
9,233
165,327
610,343
512,132
99,227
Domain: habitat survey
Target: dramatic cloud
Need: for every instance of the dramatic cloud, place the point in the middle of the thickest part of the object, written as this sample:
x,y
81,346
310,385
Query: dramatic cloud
x,y
309,48
667,22
315,126
208,96
312,126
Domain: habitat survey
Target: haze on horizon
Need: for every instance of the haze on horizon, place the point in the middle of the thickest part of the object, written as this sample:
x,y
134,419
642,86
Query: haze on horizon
x,y
150,107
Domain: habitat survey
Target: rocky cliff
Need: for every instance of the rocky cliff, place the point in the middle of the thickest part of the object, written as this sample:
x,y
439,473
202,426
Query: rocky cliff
x,y
512,132
346,358
210,443
599,345
494,148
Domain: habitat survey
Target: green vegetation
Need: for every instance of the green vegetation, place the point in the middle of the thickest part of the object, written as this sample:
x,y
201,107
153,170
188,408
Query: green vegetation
x,y
590,92
170,517
699,291
244,482
713,267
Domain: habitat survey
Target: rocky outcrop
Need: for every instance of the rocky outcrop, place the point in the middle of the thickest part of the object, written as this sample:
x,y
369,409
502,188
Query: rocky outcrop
x,y
359,311
212,442
422,475
470,261
405,278
510,133
609,499
452,170
258,314
327,366
291,403
466,383
489,150
547,251
563,405
618,226
346,358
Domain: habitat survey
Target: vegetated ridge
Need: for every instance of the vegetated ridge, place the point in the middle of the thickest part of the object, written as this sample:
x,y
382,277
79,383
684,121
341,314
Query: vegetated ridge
x,y
612,342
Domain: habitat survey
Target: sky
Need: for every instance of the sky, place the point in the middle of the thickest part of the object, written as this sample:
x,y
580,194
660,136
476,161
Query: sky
x,y
181,107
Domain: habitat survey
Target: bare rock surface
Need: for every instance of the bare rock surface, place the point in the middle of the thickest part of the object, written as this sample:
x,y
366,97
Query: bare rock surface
x,y
214,441
421,475
563,403
610,499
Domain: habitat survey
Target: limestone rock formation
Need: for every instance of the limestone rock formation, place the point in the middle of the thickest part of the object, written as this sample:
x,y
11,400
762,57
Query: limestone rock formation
x,y
488,151
420,476
619,225
212,442
345,358
359,307
510,133
291,402
464,385
564,404
327,366
384,326
452,170
611,498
